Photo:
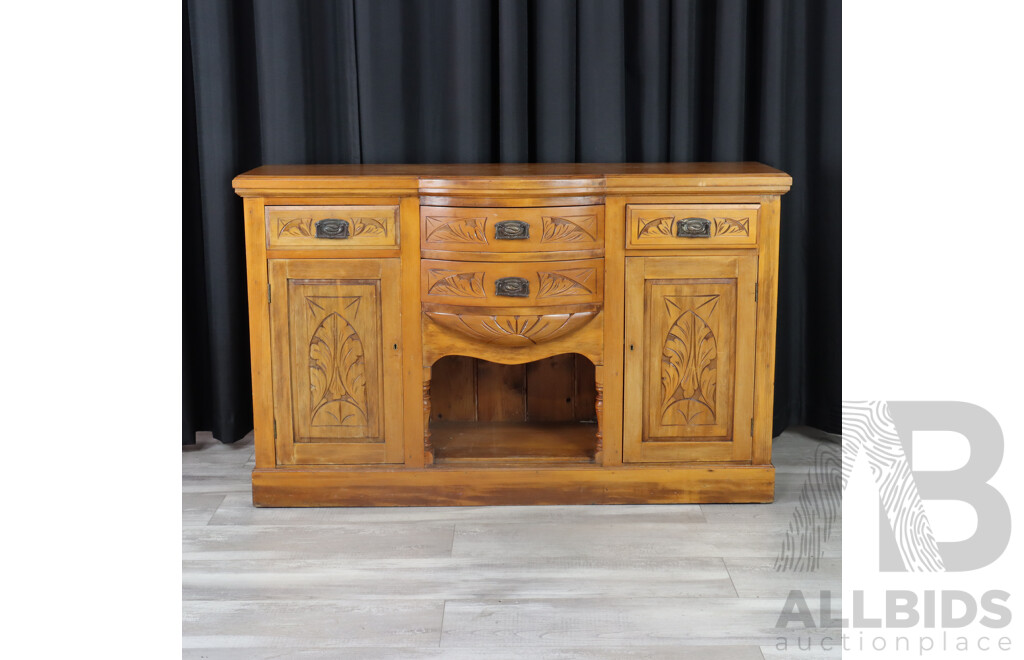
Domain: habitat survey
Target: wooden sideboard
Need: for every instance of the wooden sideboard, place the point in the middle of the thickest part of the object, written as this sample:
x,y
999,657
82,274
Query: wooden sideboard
x,y
512,334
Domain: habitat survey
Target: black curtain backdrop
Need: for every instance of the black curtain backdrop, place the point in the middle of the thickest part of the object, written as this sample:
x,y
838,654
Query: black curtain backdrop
x,y
439,81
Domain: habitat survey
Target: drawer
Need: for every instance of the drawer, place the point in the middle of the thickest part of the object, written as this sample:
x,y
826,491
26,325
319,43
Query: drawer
x,y
514,284
503,230
514,327
668,226
331,227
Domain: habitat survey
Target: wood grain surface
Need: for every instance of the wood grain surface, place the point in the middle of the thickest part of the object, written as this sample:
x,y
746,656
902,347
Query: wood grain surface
x,y
636,301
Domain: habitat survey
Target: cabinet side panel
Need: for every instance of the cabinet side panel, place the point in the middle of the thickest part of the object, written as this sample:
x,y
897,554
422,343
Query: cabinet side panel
x,y
259,333
414,426
614,320
633,379
767,287
392,364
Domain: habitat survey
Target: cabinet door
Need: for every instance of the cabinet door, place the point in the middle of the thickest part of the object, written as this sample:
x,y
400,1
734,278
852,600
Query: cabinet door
x,y
336,360
689,364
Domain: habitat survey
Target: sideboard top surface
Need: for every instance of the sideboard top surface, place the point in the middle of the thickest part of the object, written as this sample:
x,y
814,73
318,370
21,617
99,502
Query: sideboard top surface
x,y
541,178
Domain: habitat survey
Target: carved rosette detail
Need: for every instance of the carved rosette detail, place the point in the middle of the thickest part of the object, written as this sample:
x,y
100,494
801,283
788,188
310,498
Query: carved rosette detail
x,y
732,226
456,230
337,371
512,329
441,282
572,229
689,362
574,282
306,227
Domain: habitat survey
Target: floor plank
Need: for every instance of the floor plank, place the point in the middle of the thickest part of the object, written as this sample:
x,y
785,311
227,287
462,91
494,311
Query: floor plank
x,y
618,622
481,583
626,538
310,623
453,578
490,653
289,542
237,509
223,483
198,508
800,653
757,577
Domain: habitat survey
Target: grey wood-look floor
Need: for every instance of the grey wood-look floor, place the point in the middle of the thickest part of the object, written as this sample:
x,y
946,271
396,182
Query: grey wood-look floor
x,y
679,581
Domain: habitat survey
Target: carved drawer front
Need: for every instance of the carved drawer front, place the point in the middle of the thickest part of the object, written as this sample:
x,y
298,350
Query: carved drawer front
x,y
674,226
513,327
503,230
331,227
513,284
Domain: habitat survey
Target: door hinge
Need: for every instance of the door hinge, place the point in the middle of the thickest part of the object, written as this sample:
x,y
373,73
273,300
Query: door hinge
x,y
755,291
275,428
268,293
751,427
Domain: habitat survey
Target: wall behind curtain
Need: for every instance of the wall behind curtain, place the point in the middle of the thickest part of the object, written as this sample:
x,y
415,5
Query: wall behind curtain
x,y
437,81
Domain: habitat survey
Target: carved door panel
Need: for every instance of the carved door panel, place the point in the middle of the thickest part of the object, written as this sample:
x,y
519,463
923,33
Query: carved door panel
x,y
689,364
336,335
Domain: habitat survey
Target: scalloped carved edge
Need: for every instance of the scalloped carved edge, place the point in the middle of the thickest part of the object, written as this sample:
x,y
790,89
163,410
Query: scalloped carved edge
x,y
513,329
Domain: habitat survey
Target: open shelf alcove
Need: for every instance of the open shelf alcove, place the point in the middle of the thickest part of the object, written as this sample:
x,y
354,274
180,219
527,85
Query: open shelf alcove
x,y
538,412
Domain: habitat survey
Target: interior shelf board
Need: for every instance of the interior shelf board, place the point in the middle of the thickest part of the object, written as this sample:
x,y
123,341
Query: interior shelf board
x,y
567,442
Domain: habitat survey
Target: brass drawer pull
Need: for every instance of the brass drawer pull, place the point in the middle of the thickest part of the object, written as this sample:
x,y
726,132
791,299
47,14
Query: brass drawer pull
x,y
511,230
514,287
332,228
693,228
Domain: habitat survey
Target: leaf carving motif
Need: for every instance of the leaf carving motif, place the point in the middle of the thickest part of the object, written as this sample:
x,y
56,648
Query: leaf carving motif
x,y
656,227
306,227
689,362
569,230
369,227
727,226
337,374
302,227
513,329
453,283
574,282
458,230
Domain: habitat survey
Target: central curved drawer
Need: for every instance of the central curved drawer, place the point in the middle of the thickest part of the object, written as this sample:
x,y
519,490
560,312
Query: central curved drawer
x,y
514,284
522,326
505,230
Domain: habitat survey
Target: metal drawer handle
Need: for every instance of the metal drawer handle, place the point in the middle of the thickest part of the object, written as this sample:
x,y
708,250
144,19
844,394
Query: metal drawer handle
x,y
332,228
693,228
513,287
511,230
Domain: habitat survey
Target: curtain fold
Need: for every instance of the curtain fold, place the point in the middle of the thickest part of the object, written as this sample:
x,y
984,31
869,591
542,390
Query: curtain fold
x,y
387,81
